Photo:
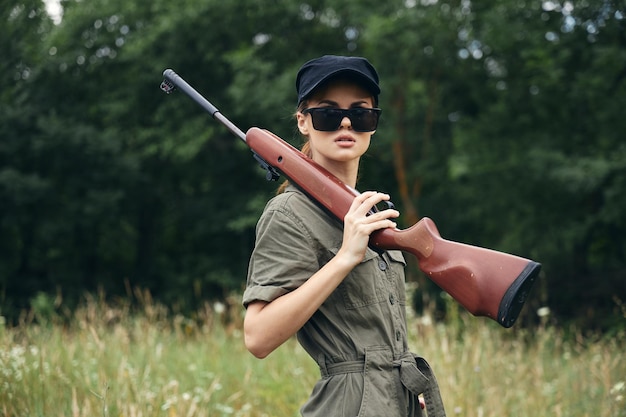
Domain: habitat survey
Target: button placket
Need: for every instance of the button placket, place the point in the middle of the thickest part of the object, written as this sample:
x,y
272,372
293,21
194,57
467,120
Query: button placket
x,y
397,332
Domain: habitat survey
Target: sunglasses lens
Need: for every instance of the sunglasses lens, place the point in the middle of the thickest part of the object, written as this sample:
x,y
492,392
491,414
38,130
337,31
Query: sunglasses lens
x,y
363,120
329,119
326,120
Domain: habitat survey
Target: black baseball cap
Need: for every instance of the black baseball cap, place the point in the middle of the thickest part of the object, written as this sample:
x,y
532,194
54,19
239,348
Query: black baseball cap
x,y
316,71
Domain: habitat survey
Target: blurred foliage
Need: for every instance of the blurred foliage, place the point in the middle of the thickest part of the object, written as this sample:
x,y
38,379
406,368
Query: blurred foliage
x,y
503,121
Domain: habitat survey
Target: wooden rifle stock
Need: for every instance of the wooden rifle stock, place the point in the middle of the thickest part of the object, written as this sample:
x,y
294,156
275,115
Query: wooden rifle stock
x,y
485,282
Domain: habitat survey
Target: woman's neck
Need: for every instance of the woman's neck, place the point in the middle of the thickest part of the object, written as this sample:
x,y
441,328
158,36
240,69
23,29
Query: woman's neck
x,y
347,172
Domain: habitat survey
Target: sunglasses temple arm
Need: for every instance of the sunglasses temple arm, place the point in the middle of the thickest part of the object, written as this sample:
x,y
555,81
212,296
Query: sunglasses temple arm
x,y
173,81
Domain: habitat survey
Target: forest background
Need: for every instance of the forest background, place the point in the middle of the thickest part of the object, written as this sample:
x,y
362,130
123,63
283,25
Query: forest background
x,y
502,120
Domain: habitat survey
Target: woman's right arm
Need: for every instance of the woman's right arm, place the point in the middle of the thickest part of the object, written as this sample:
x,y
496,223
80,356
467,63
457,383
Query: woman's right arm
x,y
268,325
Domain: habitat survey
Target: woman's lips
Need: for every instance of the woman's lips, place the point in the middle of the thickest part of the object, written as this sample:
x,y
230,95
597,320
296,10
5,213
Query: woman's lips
x,y
345,141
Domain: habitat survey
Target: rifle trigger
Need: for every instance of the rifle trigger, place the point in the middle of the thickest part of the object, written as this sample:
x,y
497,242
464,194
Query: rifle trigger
x,y
375,209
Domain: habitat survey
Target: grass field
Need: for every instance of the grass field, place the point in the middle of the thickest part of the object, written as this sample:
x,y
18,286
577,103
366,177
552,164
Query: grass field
x,y
112,361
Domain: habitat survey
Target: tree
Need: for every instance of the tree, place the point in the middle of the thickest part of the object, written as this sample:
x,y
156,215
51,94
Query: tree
x,y
534,164
501,121
23,191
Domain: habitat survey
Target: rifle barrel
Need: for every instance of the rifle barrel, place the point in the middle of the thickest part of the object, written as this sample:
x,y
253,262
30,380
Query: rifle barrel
x,y
182,85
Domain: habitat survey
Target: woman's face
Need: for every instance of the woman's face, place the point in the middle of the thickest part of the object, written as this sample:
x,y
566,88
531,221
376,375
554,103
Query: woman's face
x,y
343,144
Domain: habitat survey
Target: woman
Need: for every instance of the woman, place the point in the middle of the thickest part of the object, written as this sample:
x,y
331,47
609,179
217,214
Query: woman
x,y
316,277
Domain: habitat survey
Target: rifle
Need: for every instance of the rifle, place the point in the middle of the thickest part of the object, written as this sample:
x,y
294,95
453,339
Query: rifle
x,y
484,281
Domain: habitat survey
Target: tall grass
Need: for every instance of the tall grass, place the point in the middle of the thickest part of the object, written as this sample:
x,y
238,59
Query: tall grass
x,y
111,361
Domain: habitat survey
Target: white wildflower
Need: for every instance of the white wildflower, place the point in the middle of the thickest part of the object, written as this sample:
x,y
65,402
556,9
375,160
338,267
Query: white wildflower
x,y
617,388
543,311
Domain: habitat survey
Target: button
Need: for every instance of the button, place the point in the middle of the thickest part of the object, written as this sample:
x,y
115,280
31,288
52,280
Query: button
x,y
398,335
392,299
382,265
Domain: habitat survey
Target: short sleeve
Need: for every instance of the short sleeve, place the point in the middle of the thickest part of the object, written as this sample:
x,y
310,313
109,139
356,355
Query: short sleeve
x,y
284,256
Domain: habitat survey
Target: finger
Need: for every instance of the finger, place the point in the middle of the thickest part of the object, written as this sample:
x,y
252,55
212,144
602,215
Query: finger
x,y
369,228
372,218
359,207
369,199
389,214
361,198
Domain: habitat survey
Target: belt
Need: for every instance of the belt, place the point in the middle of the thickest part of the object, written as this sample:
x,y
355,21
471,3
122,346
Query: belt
x,y
415,375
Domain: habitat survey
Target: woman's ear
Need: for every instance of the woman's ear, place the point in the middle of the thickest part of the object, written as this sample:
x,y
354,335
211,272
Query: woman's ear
x,y
303,126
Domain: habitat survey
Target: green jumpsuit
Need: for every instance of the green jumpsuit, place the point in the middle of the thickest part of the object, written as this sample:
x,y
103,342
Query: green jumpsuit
x,y
358,337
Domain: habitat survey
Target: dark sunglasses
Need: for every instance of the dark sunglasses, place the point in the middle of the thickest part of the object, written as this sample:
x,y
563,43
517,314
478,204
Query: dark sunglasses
x,y
328,119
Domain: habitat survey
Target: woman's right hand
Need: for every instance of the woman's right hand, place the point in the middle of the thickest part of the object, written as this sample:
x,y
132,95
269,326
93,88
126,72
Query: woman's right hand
x,y
359,223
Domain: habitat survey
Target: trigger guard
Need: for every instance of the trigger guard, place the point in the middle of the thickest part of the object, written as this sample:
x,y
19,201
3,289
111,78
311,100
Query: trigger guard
x,y
375,209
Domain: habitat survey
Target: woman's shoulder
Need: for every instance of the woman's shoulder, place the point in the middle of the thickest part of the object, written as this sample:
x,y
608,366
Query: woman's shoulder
x,y
294,207
292,200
